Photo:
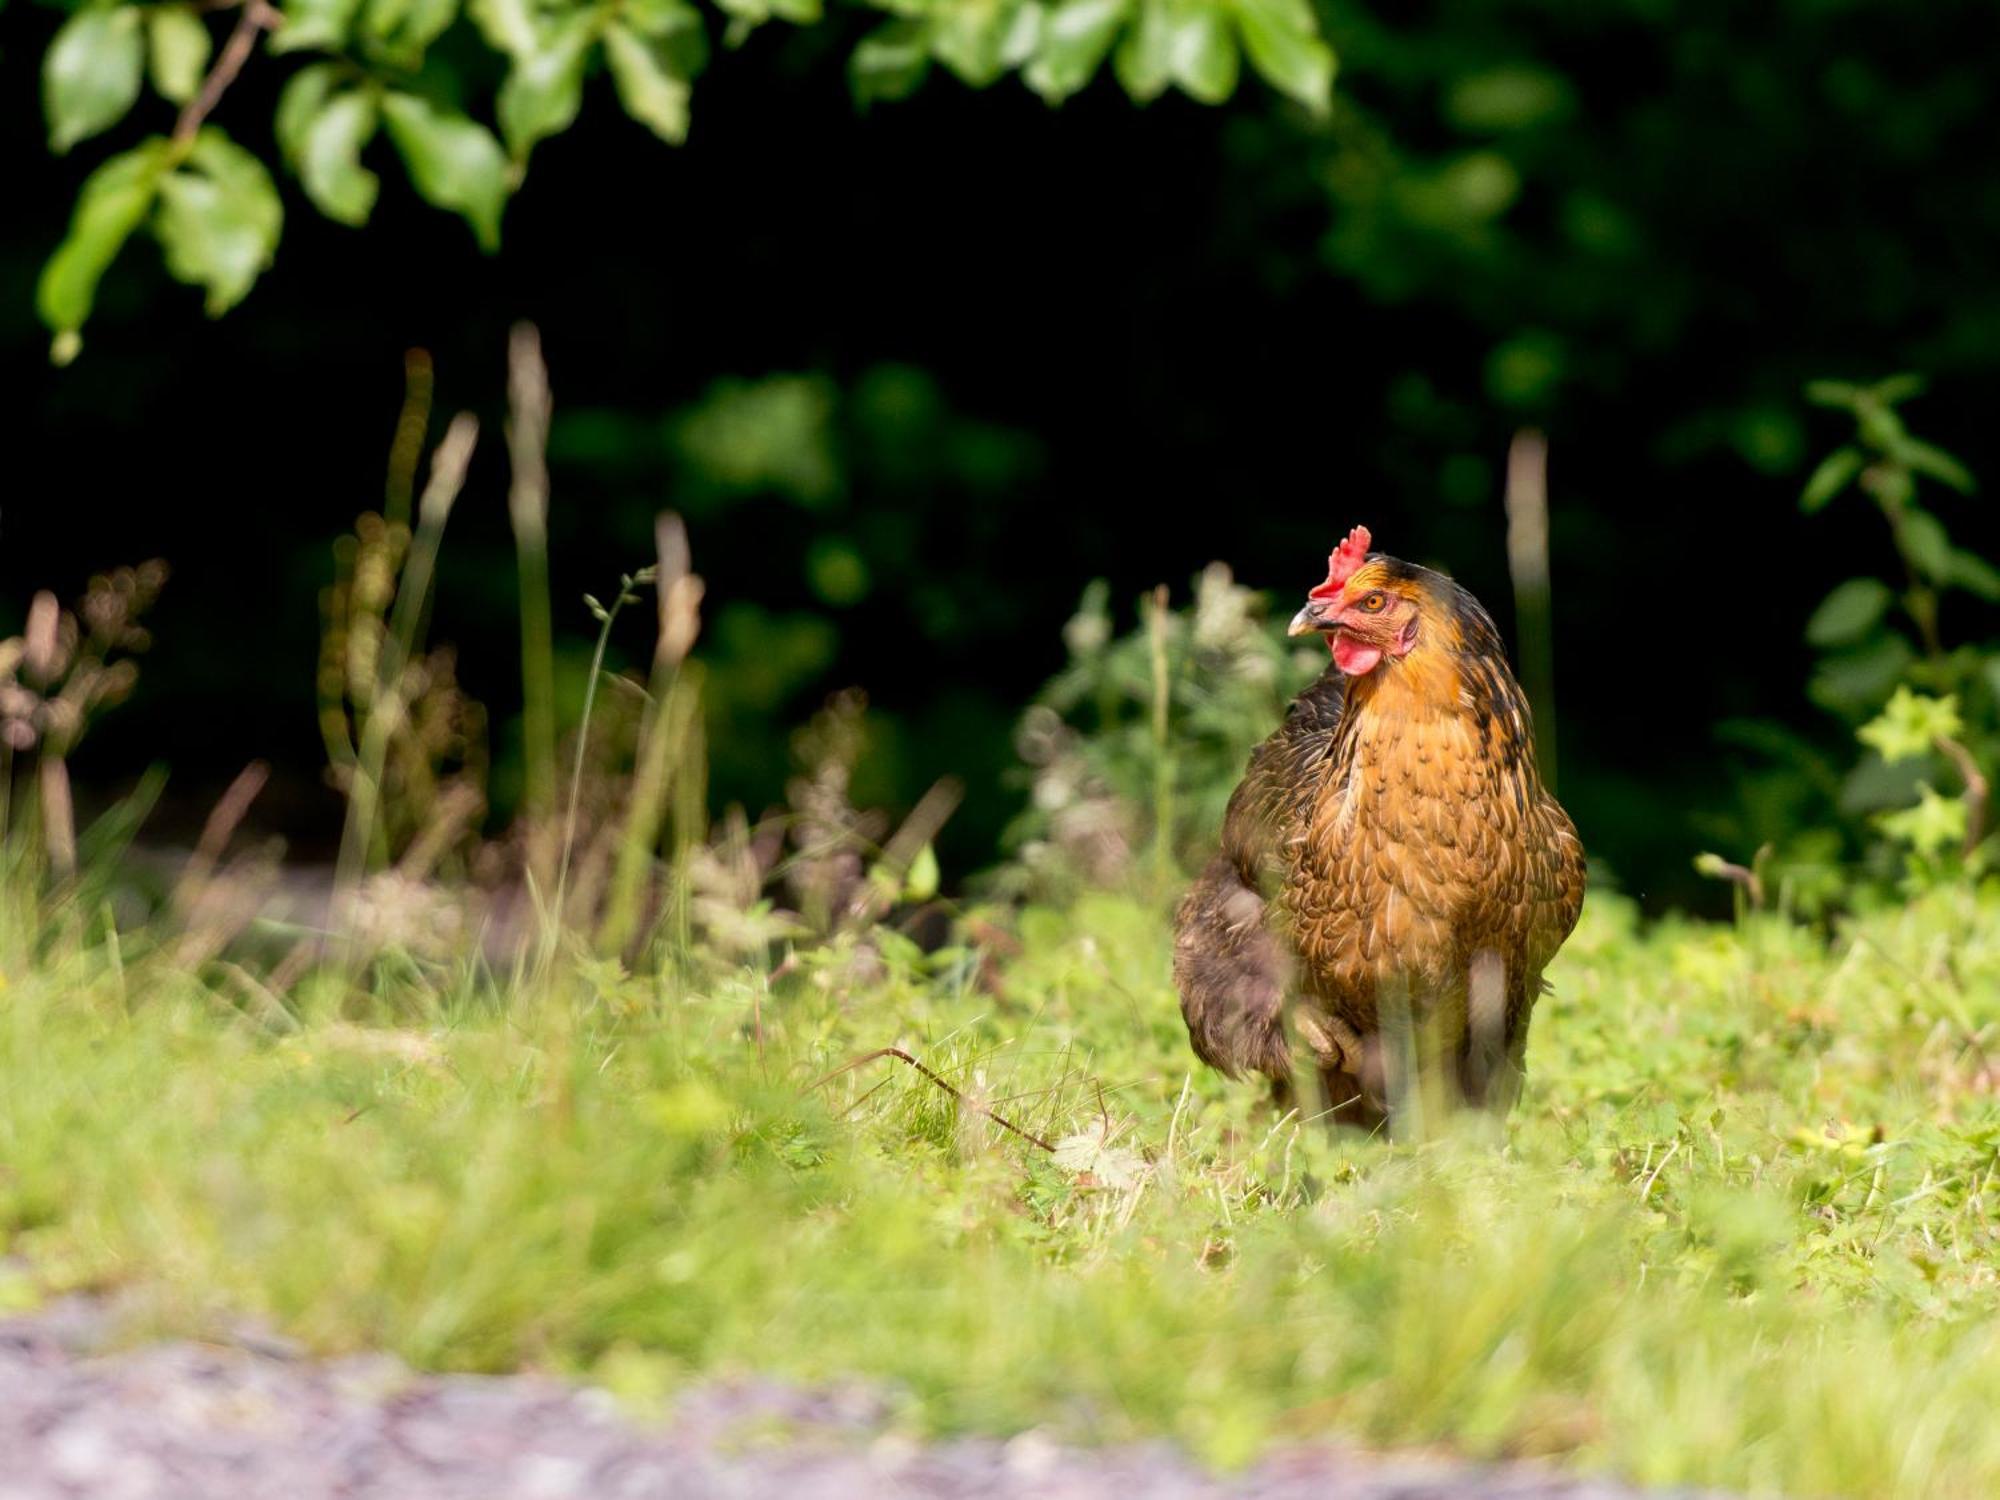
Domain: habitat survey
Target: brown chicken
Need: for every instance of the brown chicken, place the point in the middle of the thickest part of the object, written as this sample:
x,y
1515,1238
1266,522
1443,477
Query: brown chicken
x,y
1391,863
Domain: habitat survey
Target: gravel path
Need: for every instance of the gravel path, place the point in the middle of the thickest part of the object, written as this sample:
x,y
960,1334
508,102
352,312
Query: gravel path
x,y
205,1422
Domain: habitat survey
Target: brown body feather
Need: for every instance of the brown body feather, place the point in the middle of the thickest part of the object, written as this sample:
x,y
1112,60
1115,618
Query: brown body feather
x,y
1390,853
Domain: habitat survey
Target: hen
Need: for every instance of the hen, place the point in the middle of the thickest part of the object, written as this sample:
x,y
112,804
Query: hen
x,y
1391,861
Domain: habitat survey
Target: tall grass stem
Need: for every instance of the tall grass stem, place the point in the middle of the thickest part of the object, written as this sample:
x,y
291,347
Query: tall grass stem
x,y
406,449
1527,503
669,751
607,617
529,408
386,705
1157,622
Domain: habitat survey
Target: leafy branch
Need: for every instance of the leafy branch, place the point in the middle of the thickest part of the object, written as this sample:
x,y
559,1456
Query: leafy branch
x,y
1902,661
1884,461
377,68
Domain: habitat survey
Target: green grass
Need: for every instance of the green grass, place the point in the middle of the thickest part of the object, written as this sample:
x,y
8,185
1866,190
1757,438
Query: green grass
x,y
1741,1232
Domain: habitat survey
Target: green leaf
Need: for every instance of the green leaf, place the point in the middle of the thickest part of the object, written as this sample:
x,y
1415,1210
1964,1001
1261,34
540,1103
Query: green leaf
x,y
1075,38
403,30
1284,45
1840,394
970,38
114,201
1880,428
1926,458
322,134
891,61
1935,824
304,96
508,24
330,164
1896,389
1022,38
1141,62
757,12
649,87
453,162
90,75
1874,785
219,220
1512,96
544,89
324,25
1184,42
1849,612
1835,473
178,46
1855,681
676,26
1924,542
1975,575
1910,725
669,18
1204,57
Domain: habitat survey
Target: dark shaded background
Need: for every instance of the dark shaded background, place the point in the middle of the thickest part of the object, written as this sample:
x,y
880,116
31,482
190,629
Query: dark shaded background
x,y
1100,341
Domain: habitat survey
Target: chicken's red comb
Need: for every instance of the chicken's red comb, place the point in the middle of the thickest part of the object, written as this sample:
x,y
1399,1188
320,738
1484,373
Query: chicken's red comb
x,y
1341,566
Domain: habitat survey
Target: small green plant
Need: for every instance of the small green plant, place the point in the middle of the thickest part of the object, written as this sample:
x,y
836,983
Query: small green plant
x,y
1903,662
1875,633
1914,728
1929,699
1134,747
404,742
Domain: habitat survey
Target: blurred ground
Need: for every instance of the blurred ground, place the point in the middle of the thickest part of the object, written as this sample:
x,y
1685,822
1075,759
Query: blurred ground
x,y
210,1422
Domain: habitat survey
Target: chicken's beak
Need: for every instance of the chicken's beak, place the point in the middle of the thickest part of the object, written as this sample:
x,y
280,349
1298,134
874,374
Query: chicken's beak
x,y
1310,619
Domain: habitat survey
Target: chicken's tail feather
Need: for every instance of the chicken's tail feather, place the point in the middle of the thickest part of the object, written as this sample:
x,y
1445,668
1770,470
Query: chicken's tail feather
x,y
1232,973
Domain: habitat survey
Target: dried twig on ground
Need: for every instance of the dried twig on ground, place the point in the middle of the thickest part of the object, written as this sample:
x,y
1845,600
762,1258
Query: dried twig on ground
x,y
901,1056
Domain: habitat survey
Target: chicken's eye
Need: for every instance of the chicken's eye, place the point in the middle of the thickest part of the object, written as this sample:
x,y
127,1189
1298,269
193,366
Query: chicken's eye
x,y
1374,603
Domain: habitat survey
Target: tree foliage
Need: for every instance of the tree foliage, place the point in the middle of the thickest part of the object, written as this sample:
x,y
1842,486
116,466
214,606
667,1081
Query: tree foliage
x,y
463,93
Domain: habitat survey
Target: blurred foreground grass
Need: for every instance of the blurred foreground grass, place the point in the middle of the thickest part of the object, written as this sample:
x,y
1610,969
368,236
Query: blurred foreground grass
x,y
1741,1232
